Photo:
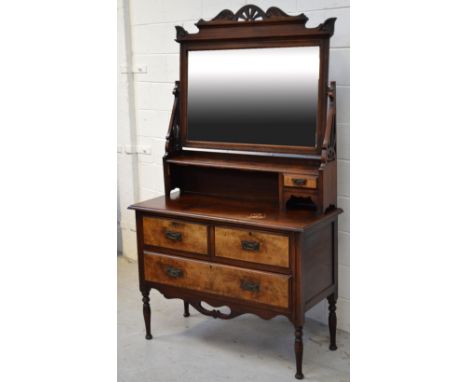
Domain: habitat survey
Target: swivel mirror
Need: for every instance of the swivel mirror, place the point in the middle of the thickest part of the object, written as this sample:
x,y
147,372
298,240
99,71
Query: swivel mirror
x,y
260,96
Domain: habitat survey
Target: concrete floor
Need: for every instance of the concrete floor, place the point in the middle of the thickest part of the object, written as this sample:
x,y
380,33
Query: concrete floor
x,y
200,348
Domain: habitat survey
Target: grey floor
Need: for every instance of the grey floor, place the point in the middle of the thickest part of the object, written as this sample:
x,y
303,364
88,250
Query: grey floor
x,y
200,348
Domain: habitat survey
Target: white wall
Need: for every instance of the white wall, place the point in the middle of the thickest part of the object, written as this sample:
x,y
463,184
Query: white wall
x,y
127,165
152,44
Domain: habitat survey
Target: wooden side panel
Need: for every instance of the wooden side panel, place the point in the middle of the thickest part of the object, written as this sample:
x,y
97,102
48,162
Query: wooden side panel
x,y
175,234
253,246
301,181
329,185
262,287
317,261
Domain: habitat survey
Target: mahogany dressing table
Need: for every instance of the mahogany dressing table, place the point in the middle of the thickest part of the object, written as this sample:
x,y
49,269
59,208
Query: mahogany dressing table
x,y
249,217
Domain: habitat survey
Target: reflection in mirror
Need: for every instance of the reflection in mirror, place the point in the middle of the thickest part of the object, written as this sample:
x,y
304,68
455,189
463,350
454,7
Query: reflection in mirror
x,y
253,96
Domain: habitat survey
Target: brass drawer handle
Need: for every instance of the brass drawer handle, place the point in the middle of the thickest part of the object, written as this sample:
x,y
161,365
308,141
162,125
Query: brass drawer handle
x,y
174,272
250,286
173,235
250,245
299,181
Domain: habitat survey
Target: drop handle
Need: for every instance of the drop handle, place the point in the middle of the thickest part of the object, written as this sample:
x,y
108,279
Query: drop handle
x,y
248,245
174,272
250,286
173,235
299,181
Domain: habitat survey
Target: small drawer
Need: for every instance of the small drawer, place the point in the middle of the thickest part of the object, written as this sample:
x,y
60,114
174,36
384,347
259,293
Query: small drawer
x,y
302,181
175,234
253,246
223,280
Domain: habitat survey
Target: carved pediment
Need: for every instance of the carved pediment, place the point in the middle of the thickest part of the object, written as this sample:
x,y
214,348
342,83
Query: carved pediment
x,y
252,13
272,22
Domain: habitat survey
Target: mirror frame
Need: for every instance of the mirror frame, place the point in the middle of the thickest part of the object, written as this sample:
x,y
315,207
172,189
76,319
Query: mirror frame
x,y
250,27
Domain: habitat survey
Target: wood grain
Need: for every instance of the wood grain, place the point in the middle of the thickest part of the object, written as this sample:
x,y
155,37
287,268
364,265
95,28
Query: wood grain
x,y
273,289
273,249
190,237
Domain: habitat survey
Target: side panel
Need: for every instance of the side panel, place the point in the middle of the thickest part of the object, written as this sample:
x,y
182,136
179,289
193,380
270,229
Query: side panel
x,y
318,263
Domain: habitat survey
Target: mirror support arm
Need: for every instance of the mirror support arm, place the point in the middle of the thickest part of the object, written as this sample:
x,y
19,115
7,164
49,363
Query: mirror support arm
x,y
173,132
329,139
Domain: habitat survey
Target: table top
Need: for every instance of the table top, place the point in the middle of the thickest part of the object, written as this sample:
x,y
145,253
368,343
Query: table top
x,y
218,209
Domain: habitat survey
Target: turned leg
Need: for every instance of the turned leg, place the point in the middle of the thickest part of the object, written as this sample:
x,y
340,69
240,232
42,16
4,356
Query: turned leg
x,y
186,309
298,347
147,313
332,320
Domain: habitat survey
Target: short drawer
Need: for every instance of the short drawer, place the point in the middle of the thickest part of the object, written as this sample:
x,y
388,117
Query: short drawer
x,y
302,181
223,280
175,234
253,246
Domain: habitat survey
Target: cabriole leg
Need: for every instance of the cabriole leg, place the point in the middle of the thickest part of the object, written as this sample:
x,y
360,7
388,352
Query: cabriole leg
x,y
186,309
298,348
332,320
147,313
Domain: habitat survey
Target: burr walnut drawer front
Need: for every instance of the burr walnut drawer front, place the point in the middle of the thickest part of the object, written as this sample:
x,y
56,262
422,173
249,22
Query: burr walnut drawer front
x,y
175,234
253,246
223,280
302,181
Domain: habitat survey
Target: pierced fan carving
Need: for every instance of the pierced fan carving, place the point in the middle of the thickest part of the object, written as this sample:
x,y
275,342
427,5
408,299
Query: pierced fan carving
x,y
250,13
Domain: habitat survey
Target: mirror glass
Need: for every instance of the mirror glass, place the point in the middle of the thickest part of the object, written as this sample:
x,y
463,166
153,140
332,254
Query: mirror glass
x,y
253,96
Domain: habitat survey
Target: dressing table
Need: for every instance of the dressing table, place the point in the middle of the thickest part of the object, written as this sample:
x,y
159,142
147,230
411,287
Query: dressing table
x,y
249,218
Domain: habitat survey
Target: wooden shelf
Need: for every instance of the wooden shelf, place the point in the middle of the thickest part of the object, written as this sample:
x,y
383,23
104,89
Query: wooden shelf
x,y
246,162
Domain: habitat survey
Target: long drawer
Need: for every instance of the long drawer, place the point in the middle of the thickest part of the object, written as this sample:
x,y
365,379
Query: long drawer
x,y
176,234
252,246
262,287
